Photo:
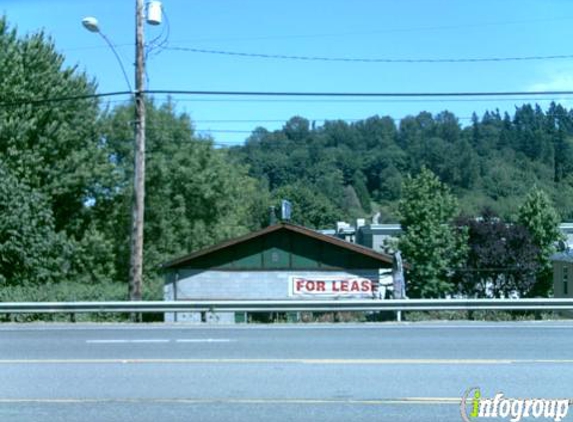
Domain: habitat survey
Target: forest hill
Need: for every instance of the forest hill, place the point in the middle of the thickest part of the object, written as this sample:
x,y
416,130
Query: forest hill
x,y
344,170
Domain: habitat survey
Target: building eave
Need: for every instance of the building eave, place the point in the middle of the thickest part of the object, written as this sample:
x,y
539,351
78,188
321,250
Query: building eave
x,y
184,260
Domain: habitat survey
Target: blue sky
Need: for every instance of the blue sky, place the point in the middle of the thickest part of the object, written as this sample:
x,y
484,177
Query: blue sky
x,y
372,29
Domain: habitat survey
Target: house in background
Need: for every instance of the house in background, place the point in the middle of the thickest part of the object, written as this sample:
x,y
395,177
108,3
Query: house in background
x,y
567,230
378,236
282,261
563,274
374,236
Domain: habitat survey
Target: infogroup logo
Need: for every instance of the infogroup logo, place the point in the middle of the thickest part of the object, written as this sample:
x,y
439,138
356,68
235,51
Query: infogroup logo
x,y
474,407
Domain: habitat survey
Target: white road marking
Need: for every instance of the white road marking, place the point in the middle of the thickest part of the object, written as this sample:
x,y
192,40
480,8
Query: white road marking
x,y
204,340
557,325
258,401
158,340
301,361
121,341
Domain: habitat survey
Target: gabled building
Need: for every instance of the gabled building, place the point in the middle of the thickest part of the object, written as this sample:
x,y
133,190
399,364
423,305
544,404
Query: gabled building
x,y
282,261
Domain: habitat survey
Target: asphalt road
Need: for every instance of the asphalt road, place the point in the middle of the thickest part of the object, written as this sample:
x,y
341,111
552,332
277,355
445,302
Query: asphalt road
x,y
382,372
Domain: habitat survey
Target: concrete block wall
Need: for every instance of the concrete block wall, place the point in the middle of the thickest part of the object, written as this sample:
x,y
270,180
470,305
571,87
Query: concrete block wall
x,y
198,318
231,285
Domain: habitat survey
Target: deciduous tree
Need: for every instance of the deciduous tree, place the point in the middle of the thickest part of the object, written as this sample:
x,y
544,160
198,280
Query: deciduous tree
x,y
195,194
31,252
53,159
501,258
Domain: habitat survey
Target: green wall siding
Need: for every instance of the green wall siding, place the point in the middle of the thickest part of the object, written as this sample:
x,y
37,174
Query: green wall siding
x,y
563,279
276,251
305,253
249,255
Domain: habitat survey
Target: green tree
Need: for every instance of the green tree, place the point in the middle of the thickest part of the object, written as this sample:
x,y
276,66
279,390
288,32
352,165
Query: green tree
x,y
195,194
31,252
431,245
493,162
49,142
52,146
501,259
309,208
542,221
359,184
391,182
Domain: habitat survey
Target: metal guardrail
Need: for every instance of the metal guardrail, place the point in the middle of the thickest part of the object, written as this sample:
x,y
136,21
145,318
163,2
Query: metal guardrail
x,y
286,306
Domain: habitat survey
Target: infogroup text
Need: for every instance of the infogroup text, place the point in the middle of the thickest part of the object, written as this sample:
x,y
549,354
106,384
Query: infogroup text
x,y
474,407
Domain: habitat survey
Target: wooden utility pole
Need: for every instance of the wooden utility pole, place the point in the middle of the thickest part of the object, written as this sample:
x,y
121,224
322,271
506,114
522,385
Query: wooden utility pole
x,y
136,261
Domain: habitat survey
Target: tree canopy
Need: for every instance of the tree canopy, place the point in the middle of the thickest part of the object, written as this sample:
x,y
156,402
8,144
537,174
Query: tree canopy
x,y
491,162
431,244
31,252
194,195
52,164
539,217
66,171
501,259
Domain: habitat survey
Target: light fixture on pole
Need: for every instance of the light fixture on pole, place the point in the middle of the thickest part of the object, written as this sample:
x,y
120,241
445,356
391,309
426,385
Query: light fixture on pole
x,y
154,18
92,25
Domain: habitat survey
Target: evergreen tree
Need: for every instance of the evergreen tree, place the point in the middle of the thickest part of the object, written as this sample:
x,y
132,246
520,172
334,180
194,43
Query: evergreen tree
x,y
542,221
430,244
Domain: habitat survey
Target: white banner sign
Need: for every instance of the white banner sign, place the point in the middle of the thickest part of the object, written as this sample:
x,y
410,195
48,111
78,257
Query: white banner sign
x,y
338,286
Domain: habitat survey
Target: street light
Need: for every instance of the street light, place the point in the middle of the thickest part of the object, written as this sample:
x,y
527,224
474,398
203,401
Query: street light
x,y
154,18
92,25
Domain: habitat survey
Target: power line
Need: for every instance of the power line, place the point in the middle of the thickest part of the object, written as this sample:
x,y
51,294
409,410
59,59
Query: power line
x,y
368,60
217,130
362,101
351,33
359,94
224,130
265,120
48,100
332,100
378,31
311,119
327,95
